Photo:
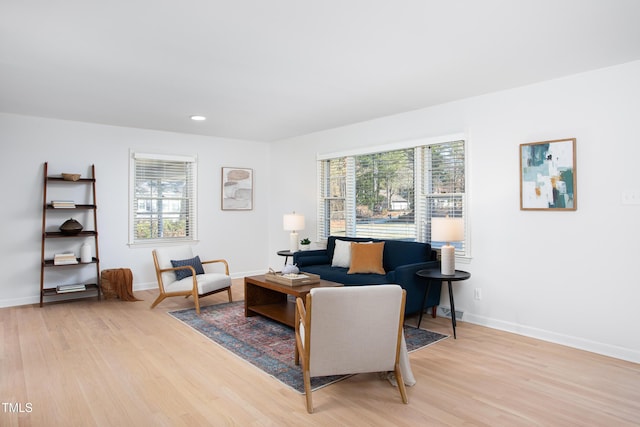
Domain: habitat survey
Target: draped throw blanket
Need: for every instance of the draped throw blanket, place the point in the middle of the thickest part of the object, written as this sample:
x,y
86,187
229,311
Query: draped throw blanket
x,y
117,282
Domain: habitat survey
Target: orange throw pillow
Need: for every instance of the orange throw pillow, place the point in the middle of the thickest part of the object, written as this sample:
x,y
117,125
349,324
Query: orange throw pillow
x,y
366,258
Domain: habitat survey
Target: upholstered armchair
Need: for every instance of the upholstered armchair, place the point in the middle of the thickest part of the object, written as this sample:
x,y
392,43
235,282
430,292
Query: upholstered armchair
x,y
180,273
350,330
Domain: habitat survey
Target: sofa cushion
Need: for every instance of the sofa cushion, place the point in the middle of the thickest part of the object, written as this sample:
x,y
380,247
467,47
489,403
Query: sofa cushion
x,y
398,252
341,254
312,257
366,258
331,242
186,272
339,275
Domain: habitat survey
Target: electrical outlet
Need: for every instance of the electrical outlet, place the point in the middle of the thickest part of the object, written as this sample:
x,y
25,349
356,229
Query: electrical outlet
x,y
477,294
631,197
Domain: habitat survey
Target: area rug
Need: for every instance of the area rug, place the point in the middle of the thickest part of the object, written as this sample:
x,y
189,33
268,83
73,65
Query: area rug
x,y
270,345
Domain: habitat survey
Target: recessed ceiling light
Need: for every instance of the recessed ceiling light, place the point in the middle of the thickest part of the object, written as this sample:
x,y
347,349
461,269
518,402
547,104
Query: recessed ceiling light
x,y
198,118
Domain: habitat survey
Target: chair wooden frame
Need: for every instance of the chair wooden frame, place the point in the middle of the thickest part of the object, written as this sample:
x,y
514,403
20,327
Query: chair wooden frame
x,y
189,292
303,349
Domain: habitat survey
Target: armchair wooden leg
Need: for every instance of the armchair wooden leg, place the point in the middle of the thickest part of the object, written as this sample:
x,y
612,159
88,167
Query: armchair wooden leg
x,y
307,391
197,302
434,310
229,292
158,300
401,386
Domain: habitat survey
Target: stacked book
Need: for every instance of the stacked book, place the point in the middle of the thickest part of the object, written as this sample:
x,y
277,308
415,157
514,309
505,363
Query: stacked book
x,y
61,289
65,259
63,204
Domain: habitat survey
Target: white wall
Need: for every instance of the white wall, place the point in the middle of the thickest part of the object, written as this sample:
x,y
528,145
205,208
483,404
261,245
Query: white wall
x,y
567,277
28,142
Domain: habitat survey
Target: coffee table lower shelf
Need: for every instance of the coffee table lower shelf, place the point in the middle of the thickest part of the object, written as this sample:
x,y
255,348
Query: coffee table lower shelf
x,y
274,300
280,312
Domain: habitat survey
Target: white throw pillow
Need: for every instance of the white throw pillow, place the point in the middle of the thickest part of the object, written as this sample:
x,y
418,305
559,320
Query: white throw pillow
x,y
341,254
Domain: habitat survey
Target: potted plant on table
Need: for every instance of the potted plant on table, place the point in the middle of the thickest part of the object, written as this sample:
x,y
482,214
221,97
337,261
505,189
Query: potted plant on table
x,y
305,244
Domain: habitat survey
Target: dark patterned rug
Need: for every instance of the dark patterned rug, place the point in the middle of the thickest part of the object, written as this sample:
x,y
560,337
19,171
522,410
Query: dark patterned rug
x,y
270,345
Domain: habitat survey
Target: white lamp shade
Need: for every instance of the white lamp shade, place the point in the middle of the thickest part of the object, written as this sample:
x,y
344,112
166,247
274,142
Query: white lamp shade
x,y
447,229
293,222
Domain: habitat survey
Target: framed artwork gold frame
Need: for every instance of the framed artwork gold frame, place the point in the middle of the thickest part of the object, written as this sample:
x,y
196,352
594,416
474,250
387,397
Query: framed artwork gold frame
x,y
548,178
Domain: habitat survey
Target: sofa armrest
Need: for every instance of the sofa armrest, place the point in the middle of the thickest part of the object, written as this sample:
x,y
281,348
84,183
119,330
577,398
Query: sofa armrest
x,y
408,272
405,276
312,257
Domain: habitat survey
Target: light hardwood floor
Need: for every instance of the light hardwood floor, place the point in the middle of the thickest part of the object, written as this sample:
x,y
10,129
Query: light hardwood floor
x,y
113,363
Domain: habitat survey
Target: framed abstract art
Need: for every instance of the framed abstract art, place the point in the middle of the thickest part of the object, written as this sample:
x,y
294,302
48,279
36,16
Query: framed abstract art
x,y
548,175
237,189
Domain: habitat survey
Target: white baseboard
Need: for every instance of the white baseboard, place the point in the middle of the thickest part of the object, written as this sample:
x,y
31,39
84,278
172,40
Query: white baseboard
x,y
14,302
554,337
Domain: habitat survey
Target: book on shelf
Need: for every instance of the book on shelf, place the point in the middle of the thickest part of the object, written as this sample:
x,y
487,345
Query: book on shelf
x,y
62,204
65,259
61,289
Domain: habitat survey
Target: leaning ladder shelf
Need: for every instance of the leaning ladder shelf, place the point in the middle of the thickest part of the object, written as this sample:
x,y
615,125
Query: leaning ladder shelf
x,y
47,263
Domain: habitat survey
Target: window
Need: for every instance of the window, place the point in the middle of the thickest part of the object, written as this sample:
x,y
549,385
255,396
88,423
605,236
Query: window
x,y
163,198
393,193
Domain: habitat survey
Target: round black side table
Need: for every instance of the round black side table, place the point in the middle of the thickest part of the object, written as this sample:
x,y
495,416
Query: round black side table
x,y
434,274
286,254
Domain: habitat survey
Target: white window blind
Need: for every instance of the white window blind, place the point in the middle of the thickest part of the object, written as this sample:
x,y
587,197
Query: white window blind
x,y
444,186
332,213
163,198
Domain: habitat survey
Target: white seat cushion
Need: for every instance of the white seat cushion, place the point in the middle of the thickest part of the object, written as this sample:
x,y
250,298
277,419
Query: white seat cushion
x,y
207,282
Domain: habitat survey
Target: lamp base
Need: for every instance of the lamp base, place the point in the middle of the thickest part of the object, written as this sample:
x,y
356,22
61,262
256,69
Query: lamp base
x,y
293,242
448,260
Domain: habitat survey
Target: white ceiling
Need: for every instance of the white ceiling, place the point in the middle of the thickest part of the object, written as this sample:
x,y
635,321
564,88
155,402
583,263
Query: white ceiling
x,y
273,69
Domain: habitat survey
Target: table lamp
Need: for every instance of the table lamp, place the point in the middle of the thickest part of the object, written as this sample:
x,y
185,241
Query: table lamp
x,y
447,230
293,222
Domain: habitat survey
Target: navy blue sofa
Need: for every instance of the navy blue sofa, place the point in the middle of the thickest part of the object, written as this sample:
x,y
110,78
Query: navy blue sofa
x,y
401,261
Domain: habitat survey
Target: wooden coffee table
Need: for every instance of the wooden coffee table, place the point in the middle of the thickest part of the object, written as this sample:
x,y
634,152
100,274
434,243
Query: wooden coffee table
x,y
270,299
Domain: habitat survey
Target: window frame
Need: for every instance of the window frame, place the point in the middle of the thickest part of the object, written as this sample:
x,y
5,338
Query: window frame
x,y
192,199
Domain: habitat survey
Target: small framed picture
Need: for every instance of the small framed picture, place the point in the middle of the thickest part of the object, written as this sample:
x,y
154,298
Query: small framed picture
x,y
237,189
548,175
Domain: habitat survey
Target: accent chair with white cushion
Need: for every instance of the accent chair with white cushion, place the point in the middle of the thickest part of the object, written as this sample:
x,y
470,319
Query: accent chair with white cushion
x,y
350,330
180,273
